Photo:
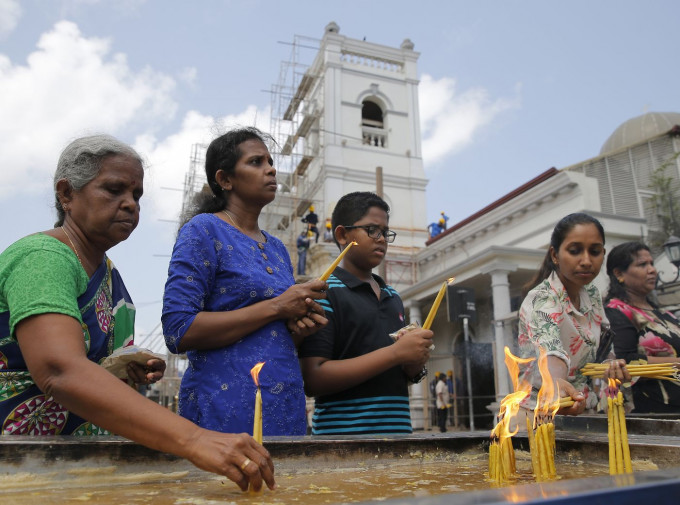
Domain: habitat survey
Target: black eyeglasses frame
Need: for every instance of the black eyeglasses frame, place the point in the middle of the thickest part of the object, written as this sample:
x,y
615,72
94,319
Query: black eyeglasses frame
x,y
381,232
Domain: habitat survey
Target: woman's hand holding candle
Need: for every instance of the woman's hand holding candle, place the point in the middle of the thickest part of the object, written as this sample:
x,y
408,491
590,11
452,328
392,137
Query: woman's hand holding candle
x,y
226,453
576,396
297,306
324,276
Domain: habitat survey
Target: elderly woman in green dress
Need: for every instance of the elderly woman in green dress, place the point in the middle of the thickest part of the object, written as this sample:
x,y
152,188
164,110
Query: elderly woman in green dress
x,y
64,308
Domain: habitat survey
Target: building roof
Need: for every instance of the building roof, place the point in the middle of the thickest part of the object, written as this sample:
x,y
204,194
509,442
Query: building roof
x,y
639,129
513,194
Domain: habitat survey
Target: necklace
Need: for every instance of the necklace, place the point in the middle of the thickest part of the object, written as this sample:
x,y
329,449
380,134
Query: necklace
x,y
235,223
73,246
260,245
231,218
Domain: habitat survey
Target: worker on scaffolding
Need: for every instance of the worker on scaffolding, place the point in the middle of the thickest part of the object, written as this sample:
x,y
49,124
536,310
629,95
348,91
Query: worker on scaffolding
x,y
312,220
435,229
328,232
302,248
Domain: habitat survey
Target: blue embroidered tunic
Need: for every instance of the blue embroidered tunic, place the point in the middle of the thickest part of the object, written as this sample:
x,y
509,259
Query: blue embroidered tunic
x,y
215,267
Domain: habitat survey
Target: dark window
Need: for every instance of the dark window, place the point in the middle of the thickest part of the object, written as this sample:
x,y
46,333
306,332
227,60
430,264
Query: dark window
x,y
371,115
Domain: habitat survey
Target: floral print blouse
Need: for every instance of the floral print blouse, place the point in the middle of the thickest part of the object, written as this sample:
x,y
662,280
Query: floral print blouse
x,y
549,320
638,334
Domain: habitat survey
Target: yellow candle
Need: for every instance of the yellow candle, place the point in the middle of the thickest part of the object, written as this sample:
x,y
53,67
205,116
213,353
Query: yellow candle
x,y
437,302
541,445
550,442
610,436
493,463
627,463
507,453
532,449
329,270
257,422
618,450
257,418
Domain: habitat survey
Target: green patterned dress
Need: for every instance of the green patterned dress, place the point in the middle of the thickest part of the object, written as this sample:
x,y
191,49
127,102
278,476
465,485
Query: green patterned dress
x,y
38,275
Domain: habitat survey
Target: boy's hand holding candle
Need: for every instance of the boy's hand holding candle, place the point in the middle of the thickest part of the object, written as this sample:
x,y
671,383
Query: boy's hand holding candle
x,y
413,346
402,331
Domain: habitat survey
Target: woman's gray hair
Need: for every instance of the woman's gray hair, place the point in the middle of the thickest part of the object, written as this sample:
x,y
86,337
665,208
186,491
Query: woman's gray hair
x,y
80,162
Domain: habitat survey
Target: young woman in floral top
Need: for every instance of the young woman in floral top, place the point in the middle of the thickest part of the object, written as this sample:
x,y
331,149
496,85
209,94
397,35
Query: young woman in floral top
x,y
642,330
563,313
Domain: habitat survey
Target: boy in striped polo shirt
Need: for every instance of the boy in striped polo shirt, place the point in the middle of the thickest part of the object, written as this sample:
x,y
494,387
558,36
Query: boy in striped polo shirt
x,y
358,375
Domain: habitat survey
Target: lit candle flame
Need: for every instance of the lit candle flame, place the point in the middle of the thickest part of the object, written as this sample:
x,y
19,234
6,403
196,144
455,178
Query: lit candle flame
x,y
501,452
512,363
433,311
255,373
324,276
548,399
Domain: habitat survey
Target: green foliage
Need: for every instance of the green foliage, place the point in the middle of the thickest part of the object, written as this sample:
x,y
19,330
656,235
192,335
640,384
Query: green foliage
x,y
665,203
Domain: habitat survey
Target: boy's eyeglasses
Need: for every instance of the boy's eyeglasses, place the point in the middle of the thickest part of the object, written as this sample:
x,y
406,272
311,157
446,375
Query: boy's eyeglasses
x,y
376,232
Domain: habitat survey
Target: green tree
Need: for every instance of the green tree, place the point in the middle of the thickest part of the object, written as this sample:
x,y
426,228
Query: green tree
x,y
665,203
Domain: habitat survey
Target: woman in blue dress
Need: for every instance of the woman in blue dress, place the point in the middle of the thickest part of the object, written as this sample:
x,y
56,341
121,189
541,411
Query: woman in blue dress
x,y
231,300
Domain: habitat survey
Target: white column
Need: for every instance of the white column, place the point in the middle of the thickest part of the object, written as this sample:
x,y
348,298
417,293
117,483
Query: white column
x,y
419,412
414,313
500,289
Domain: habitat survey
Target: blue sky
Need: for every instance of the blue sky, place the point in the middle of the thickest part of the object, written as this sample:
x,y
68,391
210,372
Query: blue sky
x,y
508,89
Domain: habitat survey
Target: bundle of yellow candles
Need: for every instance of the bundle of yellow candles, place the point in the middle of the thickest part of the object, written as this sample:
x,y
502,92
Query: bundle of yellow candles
x,y
501,460
257,418
437,301
542,448
662,371
619,450
501,453
541,431
566,401
327,273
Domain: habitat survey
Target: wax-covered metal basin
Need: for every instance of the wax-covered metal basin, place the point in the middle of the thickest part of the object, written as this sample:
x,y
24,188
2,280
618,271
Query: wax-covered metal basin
x,y
44,467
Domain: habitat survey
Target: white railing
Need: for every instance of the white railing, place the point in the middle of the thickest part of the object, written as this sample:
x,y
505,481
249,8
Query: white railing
x,y
374,136
371,61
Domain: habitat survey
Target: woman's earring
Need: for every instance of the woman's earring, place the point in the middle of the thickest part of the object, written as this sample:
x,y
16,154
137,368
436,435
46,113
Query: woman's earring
x,y
620,280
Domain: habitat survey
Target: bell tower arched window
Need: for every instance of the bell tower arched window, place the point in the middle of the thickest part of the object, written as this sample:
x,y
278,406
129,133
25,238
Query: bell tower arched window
x,y
372,124
371,114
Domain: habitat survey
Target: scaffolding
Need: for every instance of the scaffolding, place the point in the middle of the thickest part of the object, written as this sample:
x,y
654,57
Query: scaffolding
x,y
194,180
291,122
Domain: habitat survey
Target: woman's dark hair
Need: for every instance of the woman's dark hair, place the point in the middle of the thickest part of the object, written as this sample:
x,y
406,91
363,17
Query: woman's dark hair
x,y
561,230
223,153
621,257
353,206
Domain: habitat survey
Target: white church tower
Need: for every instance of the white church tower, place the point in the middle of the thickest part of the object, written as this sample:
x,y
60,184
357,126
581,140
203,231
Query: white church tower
x,y
350,122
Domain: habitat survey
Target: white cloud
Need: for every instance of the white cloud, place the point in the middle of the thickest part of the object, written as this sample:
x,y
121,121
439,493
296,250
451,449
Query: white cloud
x,y
450,119
169,158
10,12
188,75
71,85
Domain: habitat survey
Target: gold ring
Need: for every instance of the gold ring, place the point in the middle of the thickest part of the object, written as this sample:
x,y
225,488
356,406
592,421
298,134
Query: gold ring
x,y
245,464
